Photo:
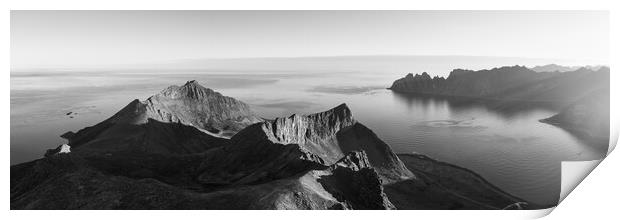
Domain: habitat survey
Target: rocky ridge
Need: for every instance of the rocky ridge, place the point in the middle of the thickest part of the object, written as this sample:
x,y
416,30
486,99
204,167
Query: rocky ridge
x,y
279,147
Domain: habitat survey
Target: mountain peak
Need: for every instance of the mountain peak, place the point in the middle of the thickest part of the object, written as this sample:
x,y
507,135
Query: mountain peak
x,y
313,127
192,83
191,89
342,110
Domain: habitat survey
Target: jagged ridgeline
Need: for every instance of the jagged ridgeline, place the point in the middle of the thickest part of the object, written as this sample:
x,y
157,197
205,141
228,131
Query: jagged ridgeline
x,y
172,152
511,83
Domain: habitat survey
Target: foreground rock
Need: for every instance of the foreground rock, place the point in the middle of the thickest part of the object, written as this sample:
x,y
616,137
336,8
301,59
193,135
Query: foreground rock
x,y
69,181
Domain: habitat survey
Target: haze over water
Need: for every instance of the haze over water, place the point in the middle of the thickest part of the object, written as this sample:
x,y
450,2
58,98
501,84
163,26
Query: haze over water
x,y
506,145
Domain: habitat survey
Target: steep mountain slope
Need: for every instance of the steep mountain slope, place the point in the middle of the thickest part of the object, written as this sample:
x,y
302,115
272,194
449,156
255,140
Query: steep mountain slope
x,y
276,148
195,105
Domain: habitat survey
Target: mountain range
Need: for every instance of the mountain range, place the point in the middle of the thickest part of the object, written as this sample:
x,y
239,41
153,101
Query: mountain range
x,y
189,147
560,68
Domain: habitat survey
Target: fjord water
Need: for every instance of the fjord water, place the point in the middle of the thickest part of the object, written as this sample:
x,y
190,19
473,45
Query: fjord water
x,y
507,145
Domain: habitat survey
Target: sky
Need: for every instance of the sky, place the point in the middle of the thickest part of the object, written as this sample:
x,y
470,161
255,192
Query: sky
x,y
73,39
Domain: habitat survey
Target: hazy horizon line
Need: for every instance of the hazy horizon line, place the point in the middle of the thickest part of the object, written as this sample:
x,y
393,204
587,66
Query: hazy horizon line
x,y
140,65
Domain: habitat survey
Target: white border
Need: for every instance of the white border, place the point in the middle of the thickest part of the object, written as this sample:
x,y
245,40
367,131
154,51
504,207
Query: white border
x,y
591,202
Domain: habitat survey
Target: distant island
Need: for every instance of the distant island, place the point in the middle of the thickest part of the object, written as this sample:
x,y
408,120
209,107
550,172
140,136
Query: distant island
x,y
582,91
190,147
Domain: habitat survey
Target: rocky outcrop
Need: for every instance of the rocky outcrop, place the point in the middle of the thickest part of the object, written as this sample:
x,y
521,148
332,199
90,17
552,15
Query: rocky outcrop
x,y
62,149
515,83
420,83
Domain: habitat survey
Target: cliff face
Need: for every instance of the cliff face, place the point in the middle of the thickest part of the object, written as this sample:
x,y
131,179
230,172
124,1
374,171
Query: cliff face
x,y
283,146
508,83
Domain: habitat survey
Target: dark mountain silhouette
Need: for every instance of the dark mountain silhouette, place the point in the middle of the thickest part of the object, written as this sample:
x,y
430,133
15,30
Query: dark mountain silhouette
x,y
515,83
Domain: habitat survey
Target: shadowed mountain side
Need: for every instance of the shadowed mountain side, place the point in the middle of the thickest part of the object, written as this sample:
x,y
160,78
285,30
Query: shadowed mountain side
x,y
588,116
172,121
190,105
278,148
445,186
149,137
564,87
359,138
252,159
68,181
